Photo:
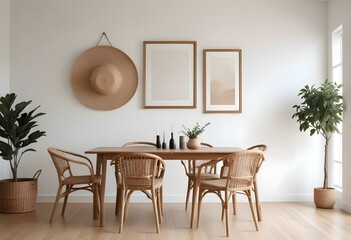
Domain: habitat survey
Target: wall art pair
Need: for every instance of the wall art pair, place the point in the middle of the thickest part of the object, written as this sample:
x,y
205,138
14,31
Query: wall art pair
x,y
170,77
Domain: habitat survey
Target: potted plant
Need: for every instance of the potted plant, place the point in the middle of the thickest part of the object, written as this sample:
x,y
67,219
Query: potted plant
x,y
320,112
16,125
194,142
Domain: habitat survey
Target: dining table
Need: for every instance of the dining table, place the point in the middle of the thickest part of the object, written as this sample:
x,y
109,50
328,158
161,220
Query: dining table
x,y
105,154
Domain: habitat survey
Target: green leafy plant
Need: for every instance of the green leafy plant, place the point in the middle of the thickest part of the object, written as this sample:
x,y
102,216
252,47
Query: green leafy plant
x,y
195,131
320,112
15,128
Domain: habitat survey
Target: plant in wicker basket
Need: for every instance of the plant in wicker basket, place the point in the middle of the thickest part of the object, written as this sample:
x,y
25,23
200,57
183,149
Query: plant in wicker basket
x,y
16,134
15,129
320,112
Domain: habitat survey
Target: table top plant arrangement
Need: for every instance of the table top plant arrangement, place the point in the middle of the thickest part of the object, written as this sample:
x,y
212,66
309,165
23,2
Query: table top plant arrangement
x,y
193,133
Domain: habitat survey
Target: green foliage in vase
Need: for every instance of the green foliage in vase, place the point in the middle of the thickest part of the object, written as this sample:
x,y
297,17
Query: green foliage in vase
x,y
320,112
195,131
16,130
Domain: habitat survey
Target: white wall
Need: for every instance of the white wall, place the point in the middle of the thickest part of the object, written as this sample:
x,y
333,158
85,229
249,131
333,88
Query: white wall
x,y
4,64
284,47
339,13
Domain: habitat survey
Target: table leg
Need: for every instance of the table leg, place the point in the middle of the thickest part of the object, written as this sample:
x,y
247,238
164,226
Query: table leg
x,y
98,173
194,201
193,207
103,164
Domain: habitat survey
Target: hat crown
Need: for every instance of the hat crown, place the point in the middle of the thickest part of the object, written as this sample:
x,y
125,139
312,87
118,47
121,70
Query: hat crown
x,y
106,79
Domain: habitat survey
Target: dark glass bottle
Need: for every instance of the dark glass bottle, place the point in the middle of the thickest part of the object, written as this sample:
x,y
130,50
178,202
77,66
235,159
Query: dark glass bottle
x,y
172,144
164,144
158,141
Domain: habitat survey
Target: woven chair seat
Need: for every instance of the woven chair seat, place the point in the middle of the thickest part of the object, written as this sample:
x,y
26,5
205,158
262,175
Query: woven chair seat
x,y
221,184
203,176
142,184
83,179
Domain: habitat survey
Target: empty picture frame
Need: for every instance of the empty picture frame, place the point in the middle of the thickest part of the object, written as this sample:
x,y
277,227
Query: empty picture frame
x,y
222,80
169,74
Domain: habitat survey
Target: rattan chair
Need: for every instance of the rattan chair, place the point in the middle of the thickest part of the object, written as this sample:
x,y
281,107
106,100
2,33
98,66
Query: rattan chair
x,y
263,148
62,160
191,168
117,175
143,172
241,170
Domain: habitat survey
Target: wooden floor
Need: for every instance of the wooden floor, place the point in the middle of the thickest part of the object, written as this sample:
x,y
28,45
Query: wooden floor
x,y
300,221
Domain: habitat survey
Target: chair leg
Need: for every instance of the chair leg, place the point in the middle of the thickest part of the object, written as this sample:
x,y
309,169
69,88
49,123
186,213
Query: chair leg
x,y
126,202
226,209
222,217
99,201
161,199
159,210
248,194
257,201
56,202
153,194
234,203
119,200
187,194
65,200
96,202
121,217
116,205
199,203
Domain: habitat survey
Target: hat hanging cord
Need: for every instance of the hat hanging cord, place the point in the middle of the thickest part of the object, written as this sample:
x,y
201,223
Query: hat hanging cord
x,y
104,34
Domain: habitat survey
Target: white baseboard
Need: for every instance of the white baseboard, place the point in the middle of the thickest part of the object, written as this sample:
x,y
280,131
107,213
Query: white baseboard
x,y
342,204
286,198
180,198
346,207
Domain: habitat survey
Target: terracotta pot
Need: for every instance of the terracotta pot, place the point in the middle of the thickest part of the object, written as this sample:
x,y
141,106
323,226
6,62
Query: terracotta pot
x,y
193,143
324,198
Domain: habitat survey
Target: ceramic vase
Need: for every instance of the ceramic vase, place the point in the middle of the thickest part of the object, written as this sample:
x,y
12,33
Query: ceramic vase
x,y
193,143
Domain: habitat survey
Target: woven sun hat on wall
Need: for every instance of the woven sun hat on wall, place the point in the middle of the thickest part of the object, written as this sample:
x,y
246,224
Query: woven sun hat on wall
x,y
104,78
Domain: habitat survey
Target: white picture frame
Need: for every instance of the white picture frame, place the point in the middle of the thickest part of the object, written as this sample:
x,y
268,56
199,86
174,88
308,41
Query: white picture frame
x,y
170,74
222,80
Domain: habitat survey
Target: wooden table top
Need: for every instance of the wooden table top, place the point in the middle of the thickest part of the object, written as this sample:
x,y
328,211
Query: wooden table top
x,y
176,154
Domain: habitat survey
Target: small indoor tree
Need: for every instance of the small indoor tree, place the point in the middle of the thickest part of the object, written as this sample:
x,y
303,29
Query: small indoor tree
x,y
320,112
16,130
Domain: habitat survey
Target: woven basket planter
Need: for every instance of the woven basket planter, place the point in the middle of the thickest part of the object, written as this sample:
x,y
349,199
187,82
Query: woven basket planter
x,y
20,196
